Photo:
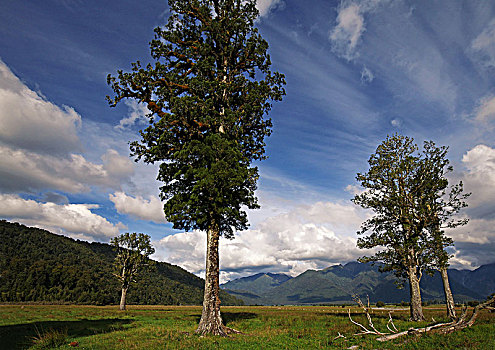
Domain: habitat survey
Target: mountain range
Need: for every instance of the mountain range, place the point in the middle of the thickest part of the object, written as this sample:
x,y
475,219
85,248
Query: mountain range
x,y
39,266
337,284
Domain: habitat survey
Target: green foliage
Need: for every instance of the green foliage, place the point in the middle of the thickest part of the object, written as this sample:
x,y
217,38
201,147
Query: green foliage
x,y
409,194
380,304
38,266
208,92
133,251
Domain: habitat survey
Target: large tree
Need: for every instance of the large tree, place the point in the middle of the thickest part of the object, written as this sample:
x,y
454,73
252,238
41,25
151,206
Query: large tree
x,y
133,251
409,193
208,93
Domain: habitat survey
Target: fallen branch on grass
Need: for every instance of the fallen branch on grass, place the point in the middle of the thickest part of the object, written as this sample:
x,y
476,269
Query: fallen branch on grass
x,y
442,328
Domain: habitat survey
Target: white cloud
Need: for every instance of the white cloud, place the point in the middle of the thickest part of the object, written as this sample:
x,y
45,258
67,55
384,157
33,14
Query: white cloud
x,y
145,209
266,6
117,167
39,145
305,237
137,114
23,170
30,122
346,34
479,231
485,112
483,46
75,220
367,75
480,175
354,190
396,122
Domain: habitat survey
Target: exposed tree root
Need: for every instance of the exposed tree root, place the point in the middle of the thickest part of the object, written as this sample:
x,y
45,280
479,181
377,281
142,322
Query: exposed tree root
x,y
218,330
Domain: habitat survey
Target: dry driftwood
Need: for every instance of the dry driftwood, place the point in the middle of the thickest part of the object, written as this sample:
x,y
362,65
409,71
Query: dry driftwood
x,y
443,328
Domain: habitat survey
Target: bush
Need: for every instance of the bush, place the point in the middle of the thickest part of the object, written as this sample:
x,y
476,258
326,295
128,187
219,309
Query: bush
x,y
380,304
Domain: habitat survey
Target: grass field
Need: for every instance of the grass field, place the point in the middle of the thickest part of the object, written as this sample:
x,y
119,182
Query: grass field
x,y
172,327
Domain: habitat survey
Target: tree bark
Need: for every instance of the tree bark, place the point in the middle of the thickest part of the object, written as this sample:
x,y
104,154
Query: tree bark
x,y
211,320
122,299
449,299
416,309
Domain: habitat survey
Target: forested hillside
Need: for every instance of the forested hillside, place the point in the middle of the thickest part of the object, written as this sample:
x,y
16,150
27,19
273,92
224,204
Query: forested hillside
x,y
36,265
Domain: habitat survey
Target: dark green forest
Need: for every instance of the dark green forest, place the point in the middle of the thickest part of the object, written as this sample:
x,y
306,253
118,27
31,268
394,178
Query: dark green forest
x,y
39,266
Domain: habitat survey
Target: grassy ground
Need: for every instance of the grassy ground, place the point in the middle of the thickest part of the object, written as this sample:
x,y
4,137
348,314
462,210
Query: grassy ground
x,y
169,327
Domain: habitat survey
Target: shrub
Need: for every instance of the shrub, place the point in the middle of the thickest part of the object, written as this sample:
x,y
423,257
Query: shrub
x,y
380,304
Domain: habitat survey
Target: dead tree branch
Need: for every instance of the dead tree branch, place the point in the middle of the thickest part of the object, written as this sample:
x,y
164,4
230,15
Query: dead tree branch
x,y
443,328
370,322
446,328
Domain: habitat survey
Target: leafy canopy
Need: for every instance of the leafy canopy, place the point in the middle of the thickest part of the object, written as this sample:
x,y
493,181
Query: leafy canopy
x,y
208,93
133,251
410,195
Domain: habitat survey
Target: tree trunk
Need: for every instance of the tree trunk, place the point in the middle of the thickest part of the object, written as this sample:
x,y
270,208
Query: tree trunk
x,y
416,309
449,299
122,299
211,320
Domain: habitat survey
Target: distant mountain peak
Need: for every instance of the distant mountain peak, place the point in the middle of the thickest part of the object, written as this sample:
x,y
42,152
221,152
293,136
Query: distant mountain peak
x,y
337,283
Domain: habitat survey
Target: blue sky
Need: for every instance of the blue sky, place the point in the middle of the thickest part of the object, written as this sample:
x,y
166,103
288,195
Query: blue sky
x,y
356,71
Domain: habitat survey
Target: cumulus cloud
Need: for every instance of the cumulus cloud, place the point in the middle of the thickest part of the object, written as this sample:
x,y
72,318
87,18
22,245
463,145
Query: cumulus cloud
x,y
137,114
480,174
483,46
472,255
309,236
23,170
266,6
40,147
475,242
32,123
74,220
116,166
139,207
478,231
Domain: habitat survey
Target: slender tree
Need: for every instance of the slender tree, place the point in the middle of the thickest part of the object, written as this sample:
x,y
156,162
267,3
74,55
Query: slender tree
x,y
133,251
440,204
406,189
441,263
208,93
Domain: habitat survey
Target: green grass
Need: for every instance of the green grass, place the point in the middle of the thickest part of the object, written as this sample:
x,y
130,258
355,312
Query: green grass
x,y
172,327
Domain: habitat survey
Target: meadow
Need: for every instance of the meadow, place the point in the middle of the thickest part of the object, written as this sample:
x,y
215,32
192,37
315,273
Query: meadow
x,y
172,327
